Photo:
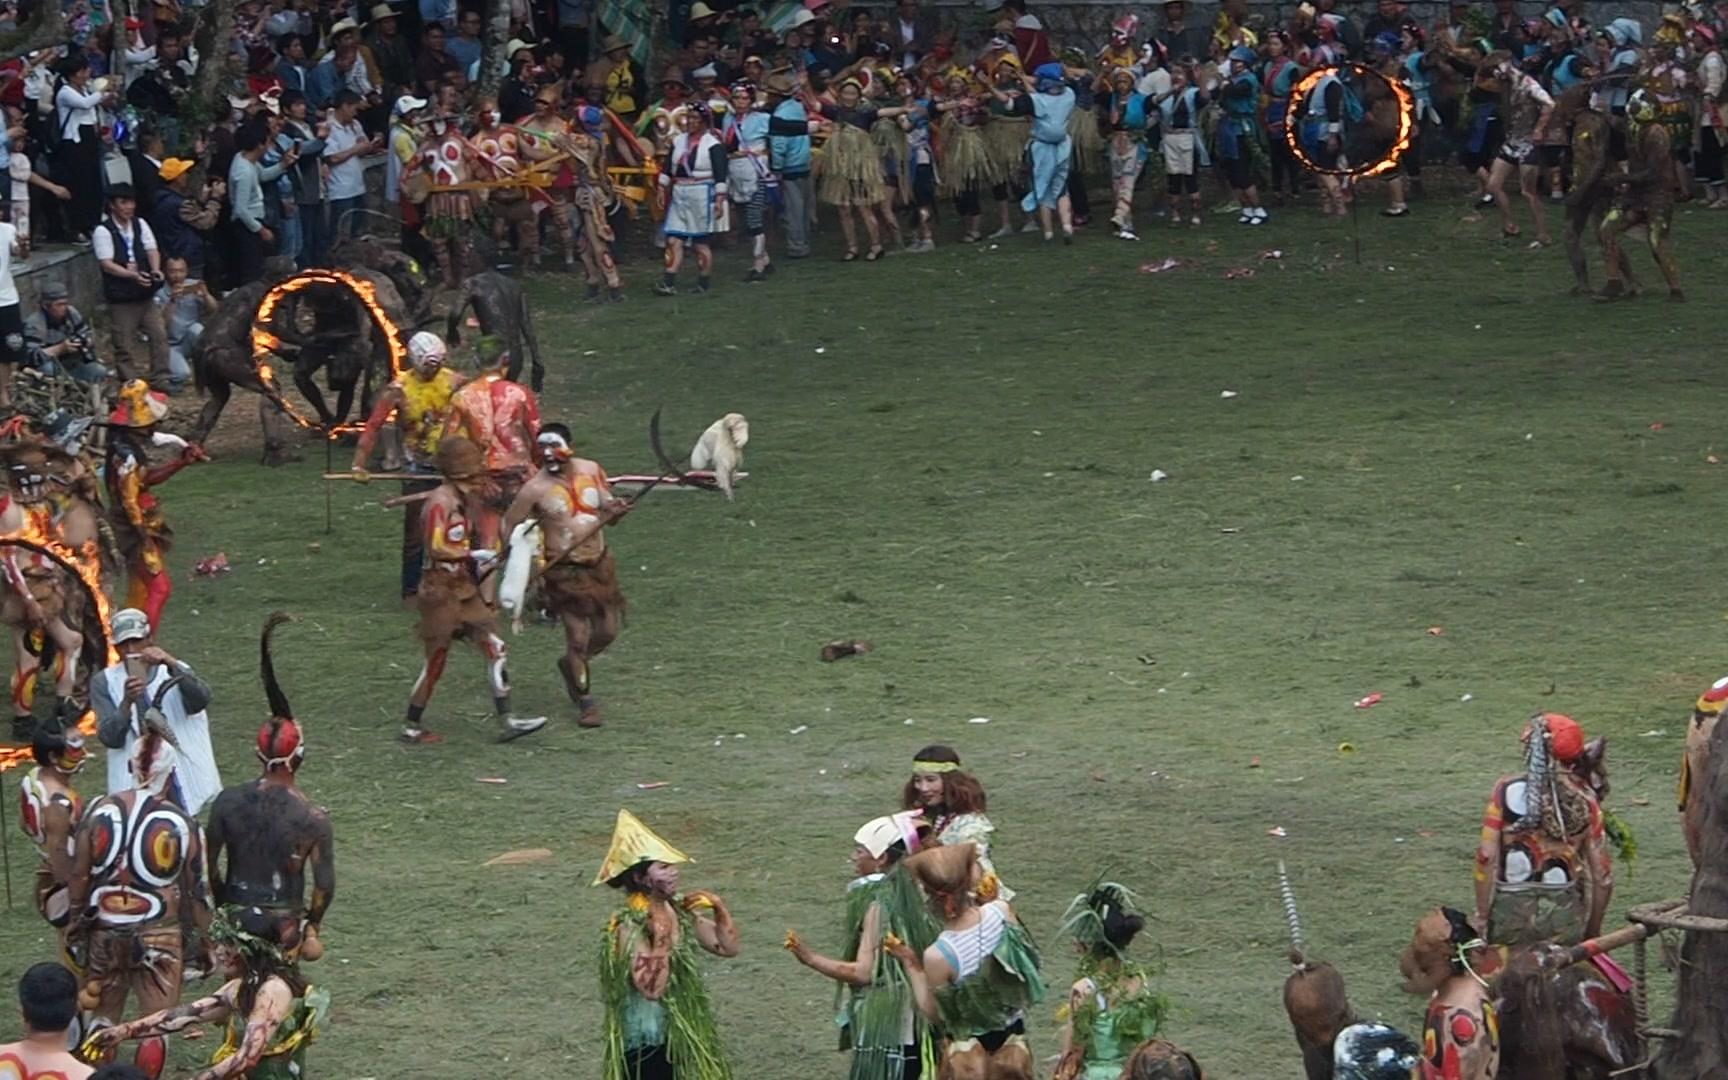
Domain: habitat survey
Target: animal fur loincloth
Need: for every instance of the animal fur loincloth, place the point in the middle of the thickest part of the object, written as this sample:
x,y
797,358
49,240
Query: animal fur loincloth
x,y
450,606
588,591
46,586
851,169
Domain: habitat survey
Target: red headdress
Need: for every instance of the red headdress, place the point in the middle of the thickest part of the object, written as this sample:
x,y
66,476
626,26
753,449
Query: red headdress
x,y
280,744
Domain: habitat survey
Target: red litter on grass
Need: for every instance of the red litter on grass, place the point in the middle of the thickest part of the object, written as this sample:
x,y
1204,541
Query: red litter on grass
x,y
1658,426
215,564
1370,701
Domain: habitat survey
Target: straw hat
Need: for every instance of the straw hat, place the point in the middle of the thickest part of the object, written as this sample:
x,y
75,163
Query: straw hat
x,y
342,26
699,10
779,83
614,43
379,13
633,843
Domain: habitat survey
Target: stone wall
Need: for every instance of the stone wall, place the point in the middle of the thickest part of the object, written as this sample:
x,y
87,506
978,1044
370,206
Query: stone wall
x,y
1087,22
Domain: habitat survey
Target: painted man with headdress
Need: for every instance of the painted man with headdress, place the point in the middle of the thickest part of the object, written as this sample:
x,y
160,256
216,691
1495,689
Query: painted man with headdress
x,y
418,401
51,809
571,503
272,1013
1644,195
1113,1008
39,591
272,833
139,905
449,161
450,602
133,508
659,1024
980,976
879,1018
1543,872
501,159
541,136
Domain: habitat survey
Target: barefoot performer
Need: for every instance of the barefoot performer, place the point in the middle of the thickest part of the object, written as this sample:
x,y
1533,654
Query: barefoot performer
x,y
1112,1008
449,599
272,1012
1450,963
879,1020
420,400
659,1023
980,976
51,808
37,588
272,832
502,418
572,503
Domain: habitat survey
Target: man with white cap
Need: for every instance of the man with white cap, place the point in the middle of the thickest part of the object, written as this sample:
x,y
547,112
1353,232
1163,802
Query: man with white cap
x,y
419,400
148,681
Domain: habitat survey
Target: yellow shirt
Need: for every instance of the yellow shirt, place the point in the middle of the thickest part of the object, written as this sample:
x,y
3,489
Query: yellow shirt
x,y
425,405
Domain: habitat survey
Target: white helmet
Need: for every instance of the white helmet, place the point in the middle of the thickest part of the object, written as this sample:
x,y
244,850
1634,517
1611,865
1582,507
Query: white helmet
x,y
426,351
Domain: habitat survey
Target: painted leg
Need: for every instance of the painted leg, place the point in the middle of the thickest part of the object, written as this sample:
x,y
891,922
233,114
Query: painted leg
x,y
1662,249
158,586
24,670
68,644
1614,261
497,656
573,665
413,727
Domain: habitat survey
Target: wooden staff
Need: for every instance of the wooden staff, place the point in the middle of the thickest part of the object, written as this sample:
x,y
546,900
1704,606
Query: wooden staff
x,y
1597,946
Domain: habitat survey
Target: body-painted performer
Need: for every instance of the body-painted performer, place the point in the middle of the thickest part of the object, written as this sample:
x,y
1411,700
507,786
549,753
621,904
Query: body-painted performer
x,y
48,1000
51,809
502,417
1449,963
953,801
501,157
419,400
979,977
694,176
133,507
1543,872
1706,714
659,1024
1644,196
38,591
449,599
138,899
148,683
272,833
748,178
1112,1007
447,159
572,502
592,200
879,1020
272,1012
541,135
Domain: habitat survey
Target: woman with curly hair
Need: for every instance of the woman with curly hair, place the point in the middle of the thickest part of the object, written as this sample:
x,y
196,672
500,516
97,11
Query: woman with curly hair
x,y
953,801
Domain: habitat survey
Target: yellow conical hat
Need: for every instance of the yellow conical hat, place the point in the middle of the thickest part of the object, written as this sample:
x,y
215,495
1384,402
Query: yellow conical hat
x,y
632,843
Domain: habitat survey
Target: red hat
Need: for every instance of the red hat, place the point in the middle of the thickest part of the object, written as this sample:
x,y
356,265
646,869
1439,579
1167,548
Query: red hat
x,y
279,743
1565,737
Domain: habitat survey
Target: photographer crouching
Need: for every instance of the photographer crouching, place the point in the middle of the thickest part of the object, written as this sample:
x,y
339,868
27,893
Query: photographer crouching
x,y
58,339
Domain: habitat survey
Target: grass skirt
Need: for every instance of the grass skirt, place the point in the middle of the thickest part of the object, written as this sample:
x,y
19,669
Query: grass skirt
x,y
851,169
891,145
1088,141
1006,138
966,160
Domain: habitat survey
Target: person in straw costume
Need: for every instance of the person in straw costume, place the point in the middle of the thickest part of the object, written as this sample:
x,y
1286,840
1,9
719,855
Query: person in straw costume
x,y
659,1023
979,976
852,178
967,164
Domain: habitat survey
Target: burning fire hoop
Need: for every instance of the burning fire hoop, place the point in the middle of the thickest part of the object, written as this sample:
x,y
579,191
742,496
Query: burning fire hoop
x,y
1406,122
86,568
265,344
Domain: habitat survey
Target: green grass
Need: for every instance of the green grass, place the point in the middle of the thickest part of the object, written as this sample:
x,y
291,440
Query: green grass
x,y
950,458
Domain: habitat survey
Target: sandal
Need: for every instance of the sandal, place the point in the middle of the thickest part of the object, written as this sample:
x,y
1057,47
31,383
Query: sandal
x,y
875,253
850,256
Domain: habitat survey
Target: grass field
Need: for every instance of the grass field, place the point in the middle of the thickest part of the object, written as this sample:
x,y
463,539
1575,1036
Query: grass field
x,y
951,458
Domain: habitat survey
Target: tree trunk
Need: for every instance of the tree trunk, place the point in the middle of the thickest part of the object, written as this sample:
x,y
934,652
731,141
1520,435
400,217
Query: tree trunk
x,y
218,68
492,55
47,29
1701,1016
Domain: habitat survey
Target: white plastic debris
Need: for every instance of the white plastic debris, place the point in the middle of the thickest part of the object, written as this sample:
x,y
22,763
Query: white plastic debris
x,y
907,721
1159,474
820,350
979,720
740,735
1227,394
1468,697
1297,479
799,730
